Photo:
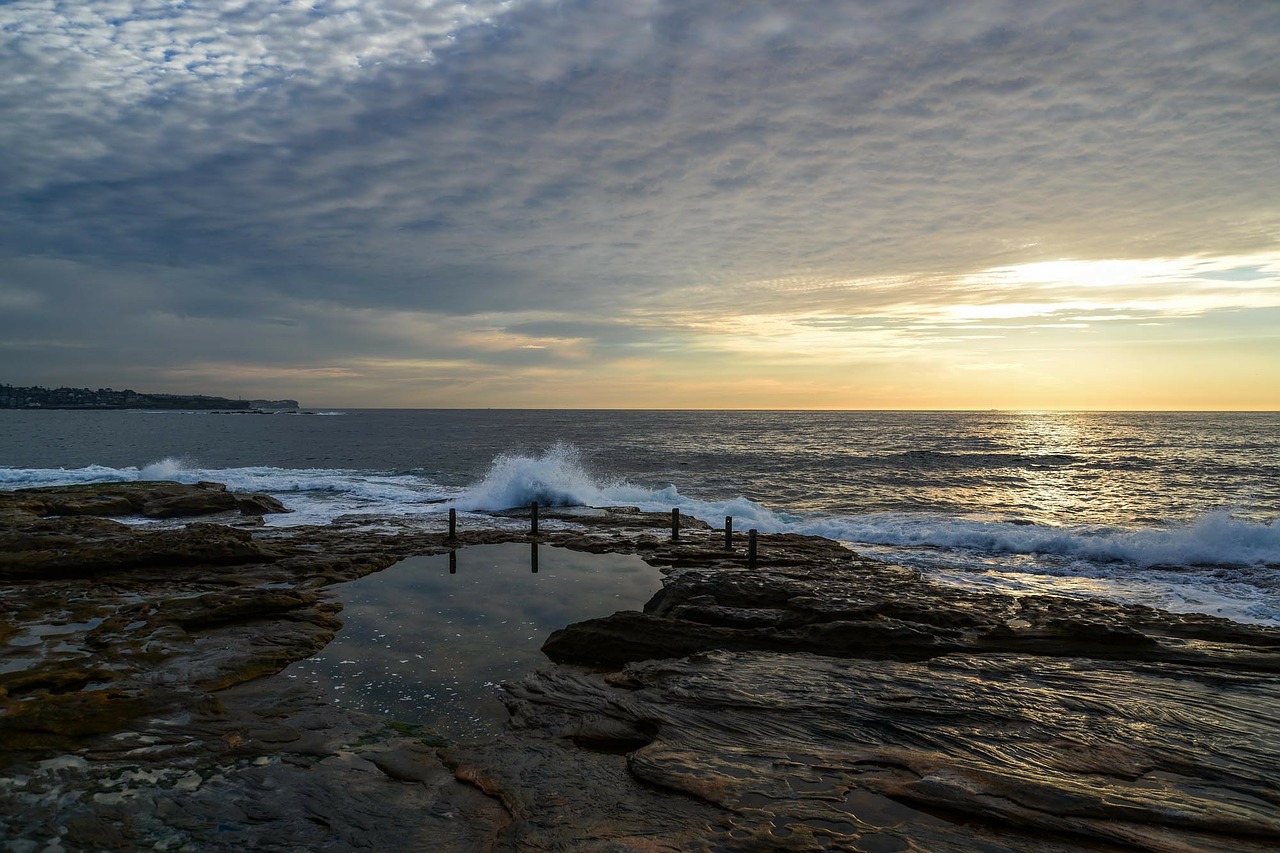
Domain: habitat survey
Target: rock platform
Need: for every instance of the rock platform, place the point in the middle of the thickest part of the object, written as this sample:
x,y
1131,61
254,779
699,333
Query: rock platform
x,y
813,701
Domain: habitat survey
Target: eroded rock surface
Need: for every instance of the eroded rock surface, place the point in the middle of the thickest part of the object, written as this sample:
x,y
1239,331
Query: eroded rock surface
x,y
813,701
964,752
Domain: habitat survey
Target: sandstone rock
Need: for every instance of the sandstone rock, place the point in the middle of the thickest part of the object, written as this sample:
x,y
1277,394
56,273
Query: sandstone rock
x,y
256,504
817,701
154,499
200,502
964,752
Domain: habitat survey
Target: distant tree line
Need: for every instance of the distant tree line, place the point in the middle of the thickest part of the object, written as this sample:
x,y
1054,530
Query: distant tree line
x,y
36,397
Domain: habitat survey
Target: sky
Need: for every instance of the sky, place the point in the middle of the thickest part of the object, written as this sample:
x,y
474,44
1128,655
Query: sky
x,y
1040,204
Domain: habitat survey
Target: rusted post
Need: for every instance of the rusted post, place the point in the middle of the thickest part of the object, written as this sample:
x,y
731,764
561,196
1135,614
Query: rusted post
x,y
533,557
533,519
751,548
675,524
728,532
453,562
453,524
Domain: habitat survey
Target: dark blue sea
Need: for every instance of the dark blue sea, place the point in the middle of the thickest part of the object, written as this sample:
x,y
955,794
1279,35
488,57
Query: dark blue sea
x,y
1174,510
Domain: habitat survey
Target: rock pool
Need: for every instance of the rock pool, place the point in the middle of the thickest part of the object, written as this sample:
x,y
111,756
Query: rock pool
x,y
428,640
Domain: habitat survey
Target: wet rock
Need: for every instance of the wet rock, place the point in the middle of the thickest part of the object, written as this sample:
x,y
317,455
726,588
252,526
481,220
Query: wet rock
x,y
841,605
58,531
322,779
255,504
154,499
629,636
48,548
963,752
815,701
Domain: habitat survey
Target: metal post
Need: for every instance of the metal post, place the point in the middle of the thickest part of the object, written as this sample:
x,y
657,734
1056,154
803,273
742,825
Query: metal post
x,y
453,524
533,519
751,547
728,532
453,562
675,525
533,557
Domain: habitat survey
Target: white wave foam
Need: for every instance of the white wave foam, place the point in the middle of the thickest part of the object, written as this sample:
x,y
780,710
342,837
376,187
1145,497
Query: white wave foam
x,y
554,478
315,495
558,477
1213,539
1244,594
1216,563
166,469
30,478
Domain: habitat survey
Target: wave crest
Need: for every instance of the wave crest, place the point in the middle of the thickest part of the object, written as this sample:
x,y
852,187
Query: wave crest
x,y
554,478
168,468
1216,538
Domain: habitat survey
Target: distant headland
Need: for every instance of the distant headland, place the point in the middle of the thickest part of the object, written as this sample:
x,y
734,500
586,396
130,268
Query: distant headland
x,y
36,397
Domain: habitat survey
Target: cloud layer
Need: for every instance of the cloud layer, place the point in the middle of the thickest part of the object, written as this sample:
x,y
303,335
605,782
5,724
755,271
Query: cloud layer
x,y
454,191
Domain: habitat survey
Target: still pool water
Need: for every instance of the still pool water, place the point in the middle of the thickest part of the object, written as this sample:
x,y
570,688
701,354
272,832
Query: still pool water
x,y
429,640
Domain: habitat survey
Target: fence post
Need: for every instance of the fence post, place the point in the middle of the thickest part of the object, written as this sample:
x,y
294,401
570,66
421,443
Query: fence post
x,y
675,524
728,532
751,548
453,524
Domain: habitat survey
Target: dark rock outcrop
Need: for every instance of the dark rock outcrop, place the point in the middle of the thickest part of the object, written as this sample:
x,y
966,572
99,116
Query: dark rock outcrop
x,y
153,499
815,701
63,531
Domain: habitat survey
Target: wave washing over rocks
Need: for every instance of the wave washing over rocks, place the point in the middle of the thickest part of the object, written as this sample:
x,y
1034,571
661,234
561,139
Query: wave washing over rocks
x,y
810,699
1215,563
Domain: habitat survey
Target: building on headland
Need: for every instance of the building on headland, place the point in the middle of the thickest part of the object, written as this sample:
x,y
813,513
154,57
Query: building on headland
x,y
36,397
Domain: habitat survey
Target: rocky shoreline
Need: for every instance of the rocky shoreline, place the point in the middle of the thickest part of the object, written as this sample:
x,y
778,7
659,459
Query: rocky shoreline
x,y
816,701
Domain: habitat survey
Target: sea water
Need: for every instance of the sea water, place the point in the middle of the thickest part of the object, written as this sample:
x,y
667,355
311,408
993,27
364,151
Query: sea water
x,y
1174,510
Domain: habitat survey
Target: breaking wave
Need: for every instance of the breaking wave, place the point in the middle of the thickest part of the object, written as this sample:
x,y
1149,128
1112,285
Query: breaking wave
x,y
315,495
559,477
553,478
1215,538
1215,563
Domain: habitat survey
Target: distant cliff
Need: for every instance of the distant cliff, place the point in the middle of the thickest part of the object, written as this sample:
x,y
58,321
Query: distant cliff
x,y
35,397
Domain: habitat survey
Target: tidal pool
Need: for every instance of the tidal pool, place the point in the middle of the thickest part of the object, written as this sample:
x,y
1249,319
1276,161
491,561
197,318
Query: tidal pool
x,y
429,640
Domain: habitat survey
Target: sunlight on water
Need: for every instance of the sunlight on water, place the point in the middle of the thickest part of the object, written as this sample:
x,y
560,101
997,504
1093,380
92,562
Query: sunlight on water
x,y
986,499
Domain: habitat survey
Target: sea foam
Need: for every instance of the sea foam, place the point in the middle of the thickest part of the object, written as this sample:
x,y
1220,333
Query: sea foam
x,y
1215,538
314,495
559,477
1215,563
553,478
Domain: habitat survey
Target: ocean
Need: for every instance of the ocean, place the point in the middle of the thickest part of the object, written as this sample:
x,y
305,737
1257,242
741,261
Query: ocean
x,y
1175,510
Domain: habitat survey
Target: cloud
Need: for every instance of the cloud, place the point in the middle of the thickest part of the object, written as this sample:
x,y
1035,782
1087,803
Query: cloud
x,y
636,173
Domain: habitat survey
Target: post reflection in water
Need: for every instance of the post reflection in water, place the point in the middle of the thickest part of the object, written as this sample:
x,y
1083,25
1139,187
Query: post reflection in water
x,y
428,646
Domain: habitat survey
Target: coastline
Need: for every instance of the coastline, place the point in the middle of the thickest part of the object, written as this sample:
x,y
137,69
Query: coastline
x,y
815,701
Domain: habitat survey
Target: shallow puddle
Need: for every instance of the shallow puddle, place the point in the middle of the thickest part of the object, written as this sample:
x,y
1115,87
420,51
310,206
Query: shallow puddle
x,y
429,639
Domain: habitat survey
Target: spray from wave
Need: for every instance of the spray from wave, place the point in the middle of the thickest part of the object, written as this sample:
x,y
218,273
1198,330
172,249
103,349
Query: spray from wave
x,y
168,468
555,477
314,495
1215,538
1215,563
558,476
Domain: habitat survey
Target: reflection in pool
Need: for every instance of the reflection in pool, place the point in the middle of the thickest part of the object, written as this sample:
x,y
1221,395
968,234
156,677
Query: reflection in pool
x,y
429,639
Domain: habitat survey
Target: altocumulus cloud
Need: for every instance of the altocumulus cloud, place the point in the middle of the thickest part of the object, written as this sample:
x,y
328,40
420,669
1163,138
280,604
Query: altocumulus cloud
x,y
590,179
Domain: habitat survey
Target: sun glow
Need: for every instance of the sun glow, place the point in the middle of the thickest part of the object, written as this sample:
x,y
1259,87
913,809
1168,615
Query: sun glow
x,y
1225,272
1072,273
